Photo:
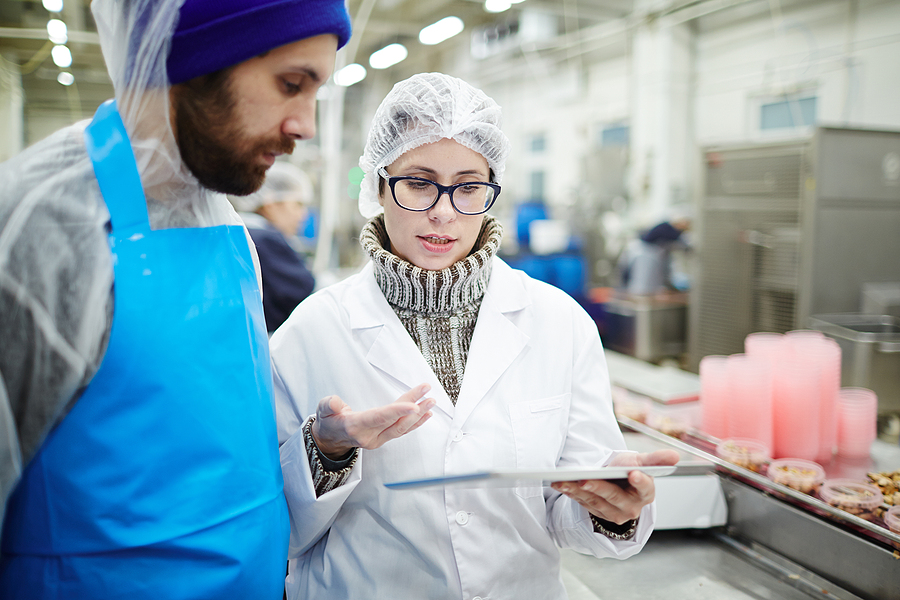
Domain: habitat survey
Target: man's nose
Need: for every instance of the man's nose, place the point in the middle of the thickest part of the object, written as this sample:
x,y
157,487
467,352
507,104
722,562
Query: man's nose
x,y
300,122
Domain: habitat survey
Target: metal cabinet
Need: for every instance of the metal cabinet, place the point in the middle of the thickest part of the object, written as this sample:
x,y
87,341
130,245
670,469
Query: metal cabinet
x,y
789,230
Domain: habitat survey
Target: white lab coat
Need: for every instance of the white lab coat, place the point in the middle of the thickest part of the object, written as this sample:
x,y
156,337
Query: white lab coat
x,y
535,395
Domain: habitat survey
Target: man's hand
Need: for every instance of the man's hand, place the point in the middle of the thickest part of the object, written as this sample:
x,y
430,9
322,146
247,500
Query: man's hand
x,y
622,501
337,429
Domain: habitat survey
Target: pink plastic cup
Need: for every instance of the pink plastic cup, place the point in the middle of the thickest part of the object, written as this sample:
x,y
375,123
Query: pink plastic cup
x,y
857,422
764,345
796,408
750,398
714,395
822,355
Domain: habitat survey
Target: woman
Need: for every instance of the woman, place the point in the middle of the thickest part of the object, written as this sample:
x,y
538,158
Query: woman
x,y
515,367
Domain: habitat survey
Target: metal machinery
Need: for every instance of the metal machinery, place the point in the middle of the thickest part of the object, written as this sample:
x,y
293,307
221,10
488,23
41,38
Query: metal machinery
x,y
788,231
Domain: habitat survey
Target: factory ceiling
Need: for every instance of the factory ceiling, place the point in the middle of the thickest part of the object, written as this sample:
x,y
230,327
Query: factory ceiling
x,y
568,28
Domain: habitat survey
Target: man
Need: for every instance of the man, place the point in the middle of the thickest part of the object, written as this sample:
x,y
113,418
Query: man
x,y
645,265
272,216
140,454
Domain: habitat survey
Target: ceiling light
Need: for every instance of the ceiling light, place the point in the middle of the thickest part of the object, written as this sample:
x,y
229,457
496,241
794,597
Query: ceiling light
x,y
57,31
496,6
65,78
388,56
516,1
62,58
444,29
353,73
53,5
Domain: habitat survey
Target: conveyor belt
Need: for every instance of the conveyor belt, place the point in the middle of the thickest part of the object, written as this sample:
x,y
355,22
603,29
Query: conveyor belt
x,y
853,555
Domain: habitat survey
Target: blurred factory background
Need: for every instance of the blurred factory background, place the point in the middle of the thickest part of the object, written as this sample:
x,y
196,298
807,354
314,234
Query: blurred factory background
x,y
692,172
769,128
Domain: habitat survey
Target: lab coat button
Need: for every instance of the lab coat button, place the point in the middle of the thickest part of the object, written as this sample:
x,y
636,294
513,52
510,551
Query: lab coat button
x,y
462,518
458,437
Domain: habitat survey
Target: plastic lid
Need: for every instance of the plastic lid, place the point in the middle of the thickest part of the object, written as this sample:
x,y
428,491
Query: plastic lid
x,y
742,447
892,519
850,493
750,454
796,473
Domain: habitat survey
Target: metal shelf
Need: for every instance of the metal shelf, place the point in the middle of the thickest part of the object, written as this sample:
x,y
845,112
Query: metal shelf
x,y
816,505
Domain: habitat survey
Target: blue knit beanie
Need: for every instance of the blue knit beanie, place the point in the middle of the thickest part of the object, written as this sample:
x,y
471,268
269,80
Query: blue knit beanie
x,y
215,34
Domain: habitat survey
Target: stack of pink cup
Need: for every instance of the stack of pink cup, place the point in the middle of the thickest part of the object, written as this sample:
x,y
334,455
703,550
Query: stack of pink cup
x,y
857,415
782,392
797,413
750,398
714,392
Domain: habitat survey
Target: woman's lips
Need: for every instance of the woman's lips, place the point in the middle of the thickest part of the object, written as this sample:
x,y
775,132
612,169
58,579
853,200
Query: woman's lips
x,y
437,244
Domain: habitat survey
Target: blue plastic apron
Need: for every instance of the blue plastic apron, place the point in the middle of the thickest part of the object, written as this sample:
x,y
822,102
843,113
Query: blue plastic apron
x,y
164,481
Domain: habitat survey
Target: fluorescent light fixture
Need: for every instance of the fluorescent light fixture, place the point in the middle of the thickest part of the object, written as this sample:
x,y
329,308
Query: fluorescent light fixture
x,y
388,56
53,5
444,29
496,6
516,1
62,58
65,78
57,31
353,73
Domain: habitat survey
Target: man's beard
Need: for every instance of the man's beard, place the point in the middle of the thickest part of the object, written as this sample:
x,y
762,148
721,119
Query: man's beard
x,y
211,141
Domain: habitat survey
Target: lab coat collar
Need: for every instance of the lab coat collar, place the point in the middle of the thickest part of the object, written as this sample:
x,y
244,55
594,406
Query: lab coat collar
x,y
496,341
500,337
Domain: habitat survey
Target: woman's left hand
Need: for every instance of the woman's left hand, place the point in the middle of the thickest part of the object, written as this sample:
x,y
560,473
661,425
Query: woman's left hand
x,y
620,500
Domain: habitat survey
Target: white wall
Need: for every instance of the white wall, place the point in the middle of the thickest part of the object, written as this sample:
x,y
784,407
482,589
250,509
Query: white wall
x,y
845,52
722,66
851,65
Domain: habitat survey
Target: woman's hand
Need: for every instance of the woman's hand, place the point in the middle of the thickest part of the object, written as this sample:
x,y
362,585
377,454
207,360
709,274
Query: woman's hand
x,y
337,429
620,500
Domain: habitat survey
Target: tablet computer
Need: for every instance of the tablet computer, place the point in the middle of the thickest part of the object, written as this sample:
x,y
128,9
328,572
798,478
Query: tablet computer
x,y
516,478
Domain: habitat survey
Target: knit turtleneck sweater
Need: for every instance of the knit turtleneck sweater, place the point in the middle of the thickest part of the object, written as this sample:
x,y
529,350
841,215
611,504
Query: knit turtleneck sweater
x,y
437,308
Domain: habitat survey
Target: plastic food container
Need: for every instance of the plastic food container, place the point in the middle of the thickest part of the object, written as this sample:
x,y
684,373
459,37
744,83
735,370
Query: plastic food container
x,y
632,406
892,520
750,454
802,475
674,419
852,496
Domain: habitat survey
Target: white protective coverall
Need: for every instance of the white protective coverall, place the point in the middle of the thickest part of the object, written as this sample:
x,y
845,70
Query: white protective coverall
x,y
535,395
56,276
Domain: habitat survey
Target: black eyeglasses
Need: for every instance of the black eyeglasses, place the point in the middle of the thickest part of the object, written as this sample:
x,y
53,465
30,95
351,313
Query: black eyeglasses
x,y
418,194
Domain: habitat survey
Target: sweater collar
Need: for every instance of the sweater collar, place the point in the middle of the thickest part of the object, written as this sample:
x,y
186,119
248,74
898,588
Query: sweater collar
x,y
406,286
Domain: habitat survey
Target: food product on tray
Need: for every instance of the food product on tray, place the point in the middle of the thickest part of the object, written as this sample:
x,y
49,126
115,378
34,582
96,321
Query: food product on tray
x,y
852,496
668,425
892,520
802,475
749,454
889,484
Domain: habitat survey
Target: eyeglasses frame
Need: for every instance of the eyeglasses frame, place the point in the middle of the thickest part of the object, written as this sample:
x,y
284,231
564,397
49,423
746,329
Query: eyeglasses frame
x,y
442,189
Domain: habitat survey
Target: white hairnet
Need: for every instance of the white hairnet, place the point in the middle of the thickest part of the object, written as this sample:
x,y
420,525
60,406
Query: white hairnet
x,y
284,182
56,275
424,109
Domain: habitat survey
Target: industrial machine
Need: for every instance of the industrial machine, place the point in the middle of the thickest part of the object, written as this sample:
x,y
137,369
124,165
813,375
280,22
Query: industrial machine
x,y
788,231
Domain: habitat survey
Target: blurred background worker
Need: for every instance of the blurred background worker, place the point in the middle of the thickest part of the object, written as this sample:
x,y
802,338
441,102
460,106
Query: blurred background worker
x,y
645,266
272,216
